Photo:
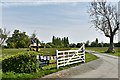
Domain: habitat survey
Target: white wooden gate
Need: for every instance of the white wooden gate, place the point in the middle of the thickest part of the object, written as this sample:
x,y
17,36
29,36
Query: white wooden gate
x,y
70,56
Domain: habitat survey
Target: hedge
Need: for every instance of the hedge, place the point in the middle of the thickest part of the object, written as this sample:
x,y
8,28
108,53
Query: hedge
x,y
21,63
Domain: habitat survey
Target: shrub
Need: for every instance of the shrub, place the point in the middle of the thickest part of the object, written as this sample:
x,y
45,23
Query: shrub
x,y
21,63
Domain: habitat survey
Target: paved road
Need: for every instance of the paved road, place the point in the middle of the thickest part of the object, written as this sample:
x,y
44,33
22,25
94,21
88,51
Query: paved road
x,y
104,67
107,69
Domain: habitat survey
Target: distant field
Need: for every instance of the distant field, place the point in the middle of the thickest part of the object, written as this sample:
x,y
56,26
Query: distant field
x,y
45,51
103,49
8,52
52,51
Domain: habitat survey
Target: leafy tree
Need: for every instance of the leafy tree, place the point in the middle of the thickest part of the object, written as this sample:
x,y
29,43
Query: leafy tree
x,y
100,44
93,44
105,44
3,35
79,45
18,40
105,18
118,44
72,45
87,43
49,45
42,44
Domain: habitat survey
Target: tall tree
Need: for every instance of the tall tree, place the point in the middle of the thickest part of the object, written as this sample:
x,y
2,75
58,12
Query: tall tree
x,y
105,18
18,40
3,35
60,42
96,42
53,40
87,43
67,42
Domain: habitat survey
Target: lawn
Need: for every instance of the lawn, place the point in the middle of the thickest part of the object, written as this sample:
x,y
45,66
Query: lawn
x,y
45,51
8,52
103,49
46,69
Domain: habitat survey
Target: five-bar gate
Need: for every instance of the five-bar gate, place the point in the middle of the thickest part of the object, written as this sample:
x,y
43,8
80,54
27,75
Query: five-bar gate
x,y
70,56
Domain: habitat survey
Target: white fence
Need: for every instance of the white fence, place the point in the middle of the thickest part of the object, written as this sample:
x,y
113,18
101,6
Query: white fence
x,y
70,56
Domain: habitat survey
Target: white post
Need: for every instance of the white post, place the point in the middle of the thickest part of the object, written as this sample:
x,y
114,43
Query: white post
x,y
57,58
64,58
67,63
68,55
37,56
84,51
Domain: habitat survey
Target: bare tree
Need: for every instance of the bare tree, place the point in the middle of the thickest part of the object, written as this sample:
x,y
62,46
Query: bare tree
x,y
3,35
105,18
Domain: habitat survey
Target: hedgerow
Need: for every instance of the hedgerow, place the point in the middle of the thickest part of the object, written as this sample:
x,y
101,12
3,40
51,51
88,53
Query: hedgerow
x,y
21,63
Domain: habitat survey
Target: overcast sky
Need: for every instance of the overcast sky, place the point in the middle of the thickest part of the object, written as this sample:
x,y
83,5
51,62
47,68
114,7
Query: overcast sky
x,y
47,19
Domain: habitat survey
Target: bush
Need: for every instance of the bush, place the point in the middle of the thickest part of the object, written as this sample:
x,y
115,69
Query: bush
x,y
21,63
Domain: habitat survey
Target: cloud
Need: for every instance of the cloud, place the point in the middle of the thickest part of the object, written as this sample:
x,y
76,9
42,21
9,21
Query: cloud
x,y
61,20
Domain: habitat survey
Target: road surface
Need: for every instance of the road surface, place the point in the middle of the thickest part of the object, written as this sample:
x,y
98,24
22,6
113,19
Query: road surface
x,y
107,69
104,67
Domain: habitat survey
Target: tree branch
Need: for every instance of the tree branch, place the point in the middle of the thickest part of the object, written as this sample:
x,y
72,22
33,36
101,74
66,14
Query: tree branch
x,y
114,31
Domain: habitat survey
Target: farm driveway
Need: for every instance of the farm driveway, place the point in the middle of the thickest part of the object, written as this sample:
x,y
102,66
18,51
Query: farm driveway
x,y
104,67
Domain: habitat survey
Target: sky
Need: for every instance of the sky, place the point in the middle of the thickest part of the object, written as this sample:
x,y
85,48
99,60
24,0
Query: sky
x,y
47,19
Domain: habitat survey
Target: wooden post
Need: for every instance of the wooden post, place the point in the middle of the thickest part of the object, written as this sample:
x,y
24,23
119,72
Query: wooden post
x,y
37,45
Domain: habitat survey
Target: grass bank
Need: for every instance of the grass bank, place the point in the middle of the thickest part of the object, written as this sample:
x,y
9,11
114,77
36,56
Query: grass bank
x,y
103,49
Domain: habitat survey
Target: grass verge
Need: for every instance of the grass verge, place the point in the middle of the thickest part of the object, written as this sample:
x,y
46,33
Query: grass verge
x,y
44,71
104,49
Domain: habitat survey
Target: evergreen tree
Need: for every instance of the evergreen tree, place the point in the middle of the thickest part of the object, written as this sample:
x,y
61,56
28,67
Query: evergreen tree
x,y
60,42
53,40
96,42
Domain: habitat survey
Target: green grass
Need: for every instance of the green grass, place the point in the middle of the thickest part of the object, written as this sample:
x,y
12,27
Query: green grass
x,y
46,69
103,49
49,68
51,51
8,52
45,51
89,57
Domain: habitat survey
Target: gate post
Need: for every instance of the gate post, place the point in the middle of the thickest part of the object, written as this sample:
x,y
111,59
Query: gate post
x,y
57,58
84,51
64,57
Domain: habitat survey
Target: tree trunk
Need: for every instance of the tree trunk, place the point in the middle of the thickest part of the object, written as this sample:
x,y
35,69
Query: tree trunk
x,y
111,46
